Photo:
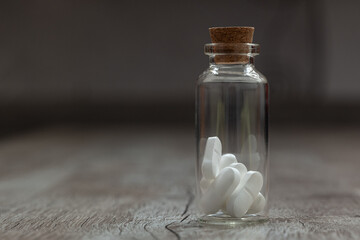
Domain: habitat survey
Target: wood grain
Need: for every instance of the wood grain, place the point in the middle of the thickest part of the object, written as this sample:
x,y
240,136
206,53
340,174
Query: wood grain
x,y
137,183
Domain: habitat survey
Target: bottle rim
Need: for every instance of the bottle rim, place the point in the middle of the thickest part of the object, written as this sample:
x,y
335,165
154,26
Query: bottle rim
x,y
244,49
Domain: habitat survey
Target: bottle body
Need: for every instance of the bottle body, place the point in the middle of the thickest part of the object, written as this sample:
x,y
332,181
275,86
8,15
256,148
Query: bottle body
x,y
232,143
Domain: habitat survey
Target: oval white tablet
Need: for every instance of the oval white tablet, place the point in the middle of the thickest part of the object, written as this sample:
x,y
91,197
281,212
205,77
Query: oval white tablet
x,y
226,160
244,195
212,156
220,189
240,167
258,205
253,182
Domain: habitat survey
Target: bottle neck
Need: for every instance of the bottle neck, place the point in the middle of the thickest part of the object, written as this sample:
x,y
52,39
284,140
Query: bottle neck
x,y
244,61
232,68
232,54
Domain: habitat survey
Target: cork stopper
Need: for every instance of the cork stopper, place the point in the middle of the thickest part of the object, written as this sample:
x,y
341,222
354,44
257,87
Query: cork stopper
x,y
232,35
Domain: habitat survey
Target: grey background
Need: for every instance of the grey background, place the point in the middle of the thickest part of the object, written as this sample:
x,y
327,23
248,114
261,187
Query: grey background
x,y
137,61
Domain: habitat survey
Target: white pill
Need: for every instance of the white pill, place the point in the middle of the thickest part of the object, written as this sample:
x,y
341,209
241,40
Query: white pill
x,y
240,167
244,195
253,181
205,184
258,205
212,156
226,160
220,189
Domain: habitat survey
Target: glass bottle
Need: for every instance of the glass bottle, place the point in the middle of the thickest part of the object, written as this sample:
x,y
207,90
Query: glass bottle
x,y
232,136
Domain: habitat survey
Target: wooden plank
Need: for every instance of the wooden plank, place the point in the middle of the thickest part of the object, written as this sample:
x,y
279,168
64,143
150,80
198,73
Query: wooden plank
x,y
137,183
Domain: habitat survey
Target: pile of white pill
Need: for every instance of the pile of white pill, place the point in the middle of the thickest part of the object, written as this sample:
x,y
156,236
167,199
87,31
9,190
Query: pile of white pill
x,y
227,185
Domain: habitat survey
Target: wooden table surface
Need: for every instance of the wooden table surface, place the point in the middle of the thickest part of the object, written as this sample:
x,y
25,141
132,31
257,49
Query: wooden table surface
x,y
137,183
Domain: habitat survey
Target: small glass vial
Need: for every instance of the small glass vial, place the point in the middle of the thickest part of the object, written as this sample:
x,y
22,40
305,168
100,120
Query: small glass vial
x,y
232,136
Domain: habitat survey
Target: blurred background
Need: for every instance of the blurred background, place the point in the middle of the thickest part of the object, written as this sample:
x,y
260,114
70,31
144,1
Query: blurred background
x,y
136,62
